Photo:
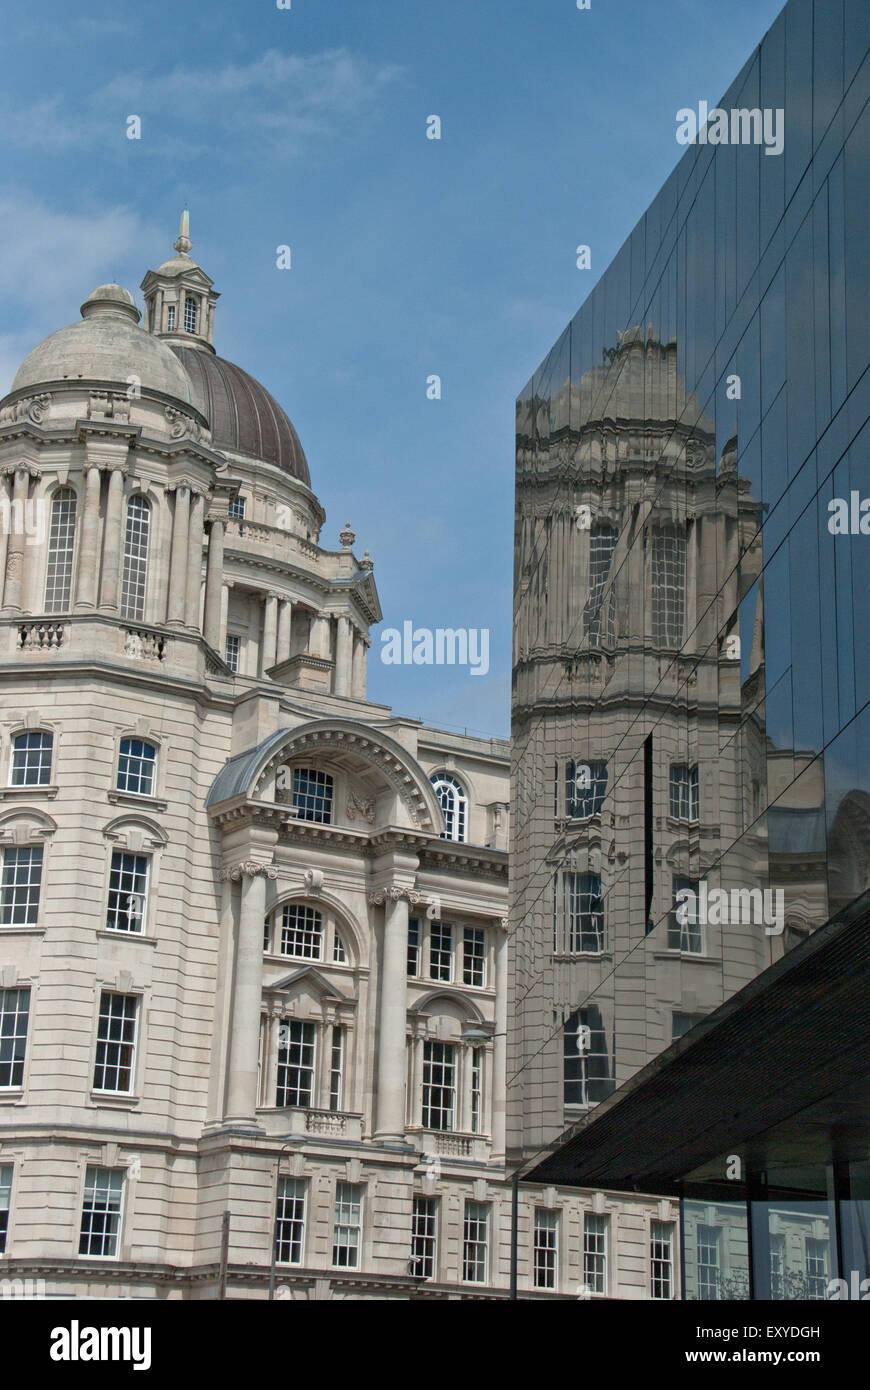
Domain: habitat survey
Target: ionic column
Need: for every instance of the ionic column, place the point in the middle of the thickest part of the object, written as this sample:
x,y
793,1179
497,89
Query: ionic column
x,y
178,561
241,1102
86,592
110,582
497,1095
194,561
360,653
344,638
213,584
285,621
392,1015
270,633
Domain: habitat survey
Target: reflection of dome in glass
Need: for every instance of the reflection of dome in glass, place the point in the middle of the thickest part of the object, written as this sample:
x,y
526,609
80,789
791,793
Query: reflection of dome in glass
x,y
243,416
107,346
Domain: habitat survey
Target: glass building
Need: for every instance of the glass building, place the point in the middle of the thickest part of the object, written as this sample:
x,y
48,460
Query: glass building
x,y
691,695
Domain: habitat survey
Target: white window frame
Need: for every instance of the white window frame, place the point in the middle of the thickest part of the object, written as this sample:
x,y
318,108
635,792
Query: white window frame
x,y
545,1253
282,1197
349,1203
132,1044
119,1227
596,1228
27,734
475,1216
454,803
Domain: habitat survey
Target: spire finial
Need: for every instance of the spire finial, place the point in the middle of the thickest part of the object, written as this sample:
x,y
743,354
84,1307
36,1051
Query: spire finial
x,y
183,242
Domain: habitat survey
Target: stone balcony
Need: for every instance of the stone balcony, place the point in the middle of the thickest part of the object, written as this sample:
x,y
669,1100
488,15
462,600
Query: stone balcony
x,y
451,1144
308,1122
92,635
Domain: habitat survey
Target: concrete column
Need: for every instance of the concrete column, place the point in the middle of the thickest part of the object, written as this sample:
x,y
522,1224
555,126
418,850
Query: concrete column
x,y
193,581
241,1104
360,653
392,1016
110,583
86,593
343,657
270,633
178,561
285,621
213,585
497,1096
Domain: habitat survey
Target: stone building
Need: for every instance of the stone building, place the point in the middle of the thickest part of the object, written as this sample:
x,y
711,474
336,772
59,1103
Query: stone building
x,y
252,925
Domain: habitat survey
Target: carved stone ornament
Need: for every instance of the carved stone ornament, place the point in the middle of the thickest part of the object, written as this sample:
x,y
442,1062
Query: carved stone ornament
x,y
313,879
393,895
363,806
33,408
250,868
108,405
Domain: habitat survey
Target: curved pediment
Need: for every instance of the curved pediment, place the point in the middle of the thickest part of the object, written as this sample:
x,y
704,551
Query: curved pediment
x,y
373,763
451,1002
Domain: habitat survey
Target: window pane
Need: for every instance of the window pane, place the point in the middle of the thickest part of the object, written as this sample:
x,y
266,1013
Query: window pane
x,y
439,1085
135,559
61,547
31,759
137,761
546,1248
312,795
441,951
301,932
423,1237
128,891
116,1042
475,1241
19,891
14,1014
295,1063
474,956
347,1233
101,1212
290,1221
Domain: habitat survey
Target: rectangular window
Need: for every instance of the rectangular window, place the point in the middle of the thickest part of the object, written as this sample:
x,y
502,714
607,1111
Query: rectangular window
x,y
137,766
116,1042
585,789
290,1221
777,1266
668,589
684,793
296,1042
708,1261
19,889
474,956
595,1252
598,613
441,951
236,509
578,926
128,892
546,1248
587,1071
439,1085
312,795
684,927
101,1212
135,562
14,1016
661,1260
31,760
5,1203
682,1023
336,1068
347,1232
817,1268
424,1230
413,948
61,548
170,317
231,655
301,932
475,1243
476,1089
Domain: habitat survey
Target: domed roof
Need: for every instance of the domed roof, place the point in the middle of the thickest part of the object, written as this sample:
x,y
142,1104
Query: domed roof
x,y
106,346
242,415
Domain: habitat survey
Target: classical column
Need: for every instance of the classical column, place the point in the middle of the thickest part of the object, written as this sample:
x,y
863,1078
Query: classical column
x,y
360,652
225,611
392,1014
270,633
16,540
318,642
241,1101
498,1099
110,581
193,582
178,561
343,658
285,621
5,527
86,594
213,584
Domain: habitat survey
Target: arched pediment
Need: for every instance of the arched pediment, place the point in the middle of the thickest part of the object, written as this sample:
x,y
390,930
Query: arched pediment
x,y
136,832
458,1005
313,978
26,823
354,745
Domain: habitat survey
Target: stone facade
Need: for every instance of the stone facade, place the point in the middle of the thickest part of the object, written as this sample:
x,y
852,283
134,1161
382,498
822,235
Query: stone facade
x,y
253,939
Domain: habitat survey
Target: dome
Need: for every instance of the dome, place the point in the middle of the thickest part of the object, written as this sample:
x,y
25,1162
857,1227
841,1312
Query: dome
x,y
242,415
106,346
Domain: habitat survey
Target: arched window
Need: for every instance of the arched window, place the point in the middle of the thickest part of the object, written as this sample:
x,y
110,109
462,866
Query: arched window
x,y
137,764
454,806
339,950
190,314
135,558
61,548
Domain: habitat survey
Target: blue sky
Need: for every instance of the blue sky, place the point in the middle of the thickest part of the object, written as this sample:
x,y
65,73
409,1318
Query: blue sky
x,y
307,127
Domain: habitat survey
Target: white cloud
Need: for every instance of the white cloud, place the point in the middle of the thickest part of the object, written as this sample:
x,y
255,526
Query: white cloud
x,y
285,98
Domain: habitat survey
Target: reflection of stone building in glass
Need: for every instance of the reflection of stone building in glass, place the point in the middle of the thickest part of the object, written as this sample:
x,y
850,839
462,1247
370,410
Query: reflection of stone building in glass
x,y
705,639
